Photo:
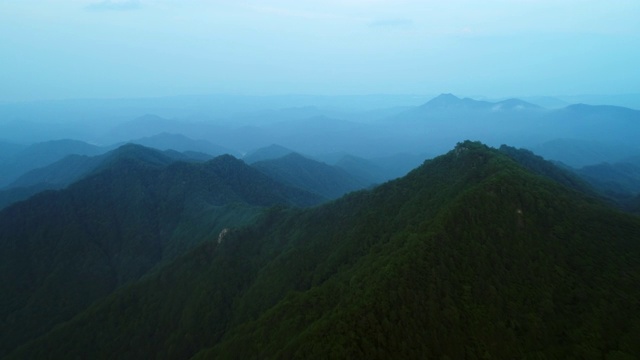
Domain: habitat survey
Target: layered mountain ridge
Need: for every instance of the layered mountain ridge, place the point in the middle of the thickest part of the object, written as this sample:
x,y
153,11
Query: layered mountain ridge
x,y
471,255
61,250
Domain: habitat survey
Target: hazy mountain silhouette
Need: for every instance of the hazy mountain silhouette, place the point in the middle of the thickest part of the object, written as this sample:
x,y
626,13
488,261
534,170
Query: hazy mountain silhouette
x,y
451,102
8,150
618,179
181,143
314,176
579,153
42,154
72,168
363,169
270,152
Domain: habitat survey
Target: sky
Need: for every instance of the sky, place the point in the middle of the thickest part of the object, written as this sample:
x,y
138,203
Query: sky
x,y
146,48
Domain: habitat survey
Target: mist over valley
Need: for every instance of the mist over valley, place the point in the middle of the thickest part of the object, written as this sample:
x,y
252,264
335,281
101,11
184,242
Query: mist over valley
x,y
337,179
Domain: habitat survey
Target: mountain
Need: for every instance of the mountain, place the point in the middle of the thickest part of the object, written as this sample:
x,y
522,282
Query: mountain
x,y
468,256
181,143
143,126
624,100
515,105
54,176
60,173
442,121
613,179
62,250
451,102
9,149
42,154
606,124
540,166
634,205
379,170
313,176
363,169
68,170
579,152
270,152
398,165
548,102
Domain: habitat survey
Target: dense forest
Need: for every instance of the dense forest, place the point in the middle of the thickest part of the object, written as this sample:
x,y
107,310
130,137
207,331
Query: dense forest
x,y
479,253
292,180
62,250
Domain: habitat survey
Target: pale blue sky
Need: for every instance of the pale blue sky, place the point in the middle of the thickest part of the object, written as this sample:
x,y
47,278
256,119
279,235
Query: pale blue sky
x,y
84,48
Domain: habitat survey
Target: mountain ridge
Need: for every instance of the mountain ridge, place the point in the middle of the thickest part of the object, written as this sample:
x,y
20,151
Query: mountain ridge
x,y
314,176
136,211
469,255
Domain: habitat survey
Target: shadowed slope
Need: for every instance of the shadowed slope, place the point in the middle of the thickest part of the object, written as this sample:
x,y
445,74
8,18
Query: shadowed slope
x,y
468,256
62,250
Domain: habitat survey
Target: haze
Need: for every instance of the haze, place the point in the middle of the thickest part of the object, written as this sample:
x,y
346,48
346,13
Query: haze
x,y
146,48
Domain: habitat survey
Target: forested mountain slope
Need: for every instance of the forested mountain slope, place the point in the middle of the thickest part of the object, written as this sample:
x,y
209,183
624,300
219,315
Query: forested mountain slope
x,y
72,168
540,166
62,250
468,256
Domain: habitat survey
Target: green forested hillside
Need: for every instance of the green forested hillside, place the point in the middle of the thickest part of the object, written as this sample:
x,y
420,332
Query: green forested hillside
x,y
469,256
72,168
538,165
62,250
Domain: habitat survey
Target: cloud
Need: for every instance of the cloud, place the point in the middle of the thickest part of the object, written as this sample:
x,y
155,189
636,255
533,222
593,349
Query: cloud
x,y
391,23
114,5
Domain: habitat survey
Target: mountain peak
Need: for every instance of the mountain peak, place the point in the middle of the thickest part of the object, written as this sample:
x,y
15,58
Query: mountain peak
x,y
137,153
450,101
272,151
514,104
447,98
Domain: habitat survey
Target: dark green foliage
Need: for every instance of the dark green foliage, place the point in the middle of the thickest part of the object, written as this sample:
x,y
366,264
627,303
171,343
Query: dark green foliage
x,y
313,176
615,184
62,250
634,205
538,165
72,168
10,196
469,256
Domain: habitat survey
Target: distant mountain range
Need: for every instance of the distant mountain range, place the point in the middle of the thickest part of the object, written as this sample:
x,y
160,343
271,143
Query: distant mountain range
x,y
414,126
446,118
374,148
270,152
42,154
296,170
452,102
181,143
480,252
